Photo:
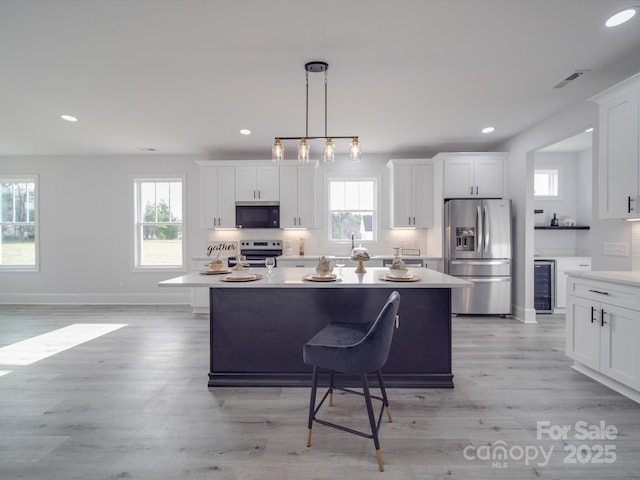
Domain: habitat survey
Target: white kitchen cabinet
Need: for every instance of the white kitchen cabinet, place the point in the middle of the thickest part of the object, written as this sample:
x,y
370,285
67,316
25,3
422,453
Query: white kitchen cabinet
x,y
473,175
564,265
603,331
298,196
217,196
619,151
412,194
257,184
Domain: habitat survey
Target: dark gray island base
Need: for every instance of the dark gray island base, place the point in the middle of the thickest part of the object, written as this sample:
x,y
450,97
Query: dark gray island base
x,y
257,334
258,328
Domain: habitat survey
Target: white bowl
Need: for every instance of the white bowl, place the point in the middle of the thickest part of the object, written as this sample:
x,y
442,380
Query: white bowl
x,y
240,273
399,272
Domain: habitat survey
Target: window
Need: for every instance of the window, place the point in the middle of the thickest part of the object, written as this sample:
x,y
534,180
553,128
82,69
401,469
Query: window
x,y
352,209
18,228
546,183
158,223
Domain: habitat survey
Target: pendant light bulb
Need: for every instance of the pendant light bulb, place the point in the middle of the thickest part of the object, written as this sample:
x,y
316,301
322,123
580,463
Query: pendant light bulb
x,y
303,151
277,152
329,151
354,150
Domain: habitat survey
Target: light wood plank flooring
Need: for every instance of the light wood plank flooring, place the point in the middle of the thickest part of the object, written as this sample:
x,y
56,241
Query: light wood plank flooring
x,y
134,404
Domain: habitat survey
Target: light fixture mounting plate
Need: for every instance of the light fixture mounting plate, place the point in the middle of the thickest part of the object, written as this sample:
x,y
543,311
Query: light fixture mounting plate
x,y
316,66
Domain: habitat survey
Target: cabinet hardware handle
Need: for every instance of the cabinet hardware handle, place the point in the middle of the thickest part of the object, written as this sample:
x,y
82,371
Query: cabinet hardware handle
x,y
294,221
629,200
602,322
598,291
299,222
219,222
258,194
214,221
471,190
476,190
414,221
593,310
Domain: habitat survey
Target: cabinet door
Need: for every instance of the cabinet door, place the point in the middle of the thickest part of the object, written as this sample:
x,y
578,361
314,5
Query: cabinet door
x,y
289,196
583,331
402,186
619,157
563,265
306,196
209,197
422,196
226,197
246,184
268,184
619,353
488,177
458,178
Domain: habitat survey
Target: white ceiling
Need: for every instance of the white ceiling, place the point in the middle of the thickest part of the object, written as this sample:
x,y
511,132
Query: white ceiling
x,y
409,77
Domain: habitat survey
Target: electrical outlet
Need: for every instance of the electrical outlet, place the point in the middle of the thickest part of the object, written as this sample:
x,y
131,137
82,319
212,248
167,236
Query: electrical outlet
x,y
620,249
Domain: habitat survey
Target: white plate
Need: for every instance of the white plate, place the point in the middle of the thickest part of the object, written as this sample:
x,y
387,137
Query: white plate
x,y
408,278
249,278
321,278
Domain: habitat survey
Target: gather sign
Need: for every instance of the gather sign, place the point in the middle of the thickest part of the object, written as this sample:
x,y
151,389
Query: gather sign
x,y
222,248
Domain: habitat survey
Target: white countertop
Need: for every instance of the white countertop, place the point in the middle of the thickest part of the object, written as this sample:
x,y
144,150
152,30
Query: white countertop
x,y
293,277
624,277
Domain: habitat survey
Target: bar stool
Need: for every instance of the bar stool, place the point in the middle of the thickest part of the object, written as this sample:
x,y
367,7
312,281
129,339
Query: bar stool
x,y
353,348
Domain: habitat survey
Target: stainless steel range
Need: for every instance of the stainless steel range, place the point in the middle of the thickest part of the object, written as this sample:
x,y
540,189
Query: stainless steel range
x,y
257,250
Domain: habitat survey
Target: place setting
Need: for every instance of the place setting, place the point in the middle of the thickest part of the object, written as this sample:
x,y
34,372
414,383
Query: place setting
x,y
324,272
216,267
398,272
241,272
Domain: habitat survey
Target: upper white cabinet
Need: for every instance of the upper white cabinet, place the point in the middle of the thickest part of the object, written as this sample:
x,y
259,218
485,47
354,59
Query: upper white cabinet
x,y
619,135
298,196
473,175
218,197
412,193
257,184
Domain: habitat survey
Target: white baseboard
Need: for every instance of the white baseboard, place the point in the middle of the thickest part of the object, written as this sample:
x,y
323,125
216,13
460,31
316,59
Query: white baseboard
x,y
524,315
96,298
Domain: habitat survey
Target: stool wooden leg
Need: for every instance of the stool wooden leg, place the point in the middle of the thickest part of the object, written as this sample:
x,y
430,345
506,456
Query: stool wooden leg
x,y
372,420
384,396
312,403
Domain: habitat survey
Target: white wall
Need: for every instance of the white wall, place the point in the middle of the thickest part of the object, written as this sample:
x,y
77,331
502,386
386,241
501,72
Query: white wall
x,y
520,168
85,230
574,202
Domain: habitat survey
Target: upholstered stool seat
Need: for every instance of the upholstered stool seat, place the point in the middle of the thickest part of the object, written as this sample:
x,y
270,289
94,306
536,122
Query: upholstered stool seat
x,y
356,349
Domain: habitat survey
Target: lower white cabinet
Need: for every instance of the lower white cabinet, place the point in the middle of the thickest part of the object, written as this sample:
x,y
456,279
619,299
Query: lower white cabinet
x,y
564,265
603,332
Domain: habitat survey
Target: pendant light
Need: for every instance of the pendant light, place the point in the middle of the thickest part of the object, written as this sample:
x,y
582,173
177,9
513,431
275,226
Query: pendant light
x,y
304,150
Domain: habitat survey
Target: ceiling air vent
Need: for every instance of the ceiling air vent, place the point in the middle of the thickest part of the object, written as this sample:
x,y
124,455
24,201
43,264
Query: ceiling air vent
x,y
574,76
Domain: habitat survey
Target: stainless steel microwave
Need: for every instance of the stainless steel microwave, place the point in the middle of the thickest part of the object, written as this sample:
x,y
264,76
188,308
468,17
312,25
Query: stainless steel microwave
x,y
258,215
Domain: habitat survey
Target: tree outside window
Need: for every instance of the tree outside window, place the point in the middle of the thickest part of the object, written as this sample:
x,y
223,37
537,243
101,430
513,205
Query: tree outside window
x,y
18,222
352,209
159,227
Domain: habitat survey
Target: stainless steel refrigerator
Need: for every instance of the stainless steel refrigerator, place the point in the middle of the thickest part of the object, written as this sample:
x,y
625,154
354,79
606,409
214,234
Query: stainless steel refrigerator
x,y
478,248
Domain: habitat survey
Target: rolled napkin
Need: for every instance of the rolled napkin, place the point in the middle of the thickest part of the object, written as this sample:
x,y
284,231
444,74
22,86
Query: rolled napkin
x,y
324,266
217,263
398,268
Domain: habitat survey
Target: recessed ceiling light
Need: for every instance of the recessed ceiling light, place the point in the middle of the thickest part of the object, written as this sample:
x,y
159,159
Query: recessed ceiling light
x,y
245,131
488,130
589,130
69,118
621,17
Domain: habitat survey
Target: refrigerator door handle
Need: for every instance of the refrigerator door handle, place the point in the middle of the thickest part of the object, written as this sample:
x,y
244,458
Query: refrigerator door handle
x,y
486,229
478,229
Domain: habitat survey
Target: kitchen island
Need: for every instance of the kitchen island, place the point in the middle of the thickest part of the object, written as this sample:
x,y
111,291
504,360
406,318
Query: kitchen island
x,y
258,328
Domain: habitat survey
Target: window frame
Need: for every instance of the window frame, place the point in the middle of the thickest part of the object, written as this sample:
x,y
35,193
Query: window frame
x,y
558,175
26,178
338,177
136,181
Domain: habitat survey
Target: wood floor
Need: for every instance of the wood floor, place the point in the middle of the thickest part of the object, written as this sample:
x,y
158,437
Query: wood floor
x,y
134,404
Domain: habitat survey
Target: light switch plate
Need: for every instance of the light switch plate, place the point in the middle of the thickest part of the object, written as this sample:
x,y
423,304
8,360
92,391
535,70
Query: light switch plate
x,y
616,249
